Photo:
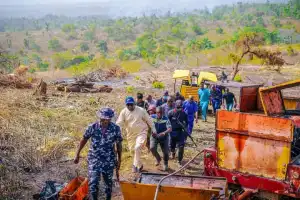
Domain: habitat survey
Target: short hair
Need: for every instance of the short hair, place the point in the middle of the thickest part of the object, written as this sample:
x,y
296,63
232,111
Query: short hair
x,y
140,95
159,109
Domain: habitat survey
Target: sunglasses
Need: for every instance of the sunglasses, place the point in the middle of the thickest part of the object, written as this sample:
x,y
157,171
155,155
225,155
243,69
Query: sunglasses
x,y
129,104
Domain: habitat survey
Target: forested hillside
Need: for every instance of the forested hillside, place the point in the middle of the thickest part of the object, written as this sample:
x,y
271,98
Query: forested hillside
x,y
200,37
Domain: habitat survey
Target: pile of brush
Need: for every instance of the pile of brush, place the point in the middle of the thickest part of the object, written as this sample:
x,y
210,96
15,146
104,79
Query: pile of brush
x,y
82,86
14,80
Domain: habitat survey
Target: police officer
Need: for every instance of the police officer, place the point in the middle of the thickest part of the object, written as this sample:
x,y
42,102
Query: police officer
x,y
179,122
102,160
163,128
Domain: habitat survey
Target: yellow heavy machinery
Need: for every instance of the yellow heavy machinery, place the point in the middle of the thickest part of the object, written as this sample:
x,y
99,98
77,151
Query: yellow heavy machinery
x,y
191,83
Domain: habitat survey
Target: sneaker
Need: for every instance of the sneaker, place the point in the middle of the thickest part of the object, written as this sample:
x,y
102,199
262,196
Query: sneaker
x,y
134,169
165,168
140,169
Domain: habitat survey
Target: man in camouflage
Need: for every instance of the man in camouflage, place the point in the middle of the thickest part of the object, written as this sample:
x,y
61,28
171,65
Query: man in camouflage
x,y
101,157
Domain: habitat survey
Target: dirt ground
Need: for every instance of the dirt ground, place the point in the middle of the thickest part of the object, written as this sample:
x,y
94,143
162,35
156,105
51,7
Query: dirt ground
x,y
46,133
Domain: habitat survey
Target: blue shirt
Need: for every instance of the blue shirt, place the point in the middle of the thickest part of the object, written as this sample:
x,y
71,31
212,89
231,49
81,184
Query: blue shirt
x,y
204,94
101,156
190,108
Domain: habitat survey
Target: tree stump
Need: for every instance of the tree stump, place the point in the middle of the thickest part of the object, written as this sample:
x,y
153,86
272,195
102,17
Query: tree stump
x,y
41,89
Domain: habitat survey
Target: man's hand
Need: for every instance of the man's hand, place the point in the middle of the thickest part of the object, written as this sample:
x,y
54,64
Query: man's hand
x,y
196,120
154,134
76,159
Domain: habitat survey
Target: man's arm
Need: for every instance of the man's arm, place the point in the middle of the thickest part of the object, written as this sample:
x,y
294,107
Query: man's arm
x,y
82,143
121,119
149,121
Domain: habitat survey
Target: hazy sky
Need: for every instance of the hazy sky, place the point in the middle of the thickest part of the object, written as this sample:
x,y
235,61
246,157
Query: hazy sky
x,y
30,2
112,8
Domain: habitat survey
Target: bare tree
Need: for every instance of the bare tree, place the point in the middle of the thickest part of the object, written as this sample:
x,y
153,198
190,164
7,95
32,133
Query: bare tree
x,y
250,44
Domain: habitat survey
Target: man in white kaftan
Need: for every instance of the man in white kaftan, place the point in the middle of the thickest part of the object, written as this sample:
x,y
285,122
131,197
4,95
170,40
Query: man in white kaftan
x,y
135,121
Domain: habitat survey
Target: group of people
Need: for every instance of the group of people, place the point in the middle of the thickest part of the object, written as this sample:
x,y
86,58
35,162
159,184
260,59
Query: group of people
x,y
216,97
165,122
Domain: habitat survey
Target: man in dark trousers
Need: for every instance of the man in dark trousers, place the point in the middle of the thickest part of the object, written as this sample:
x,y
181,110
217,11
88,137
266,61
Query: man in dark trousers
x,y
179,122
163,128
102,159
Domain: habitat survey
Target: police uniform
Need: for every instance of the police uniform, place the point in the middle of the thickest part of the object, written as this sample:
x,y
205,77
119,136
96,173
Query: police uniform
x,y
178,136
101,157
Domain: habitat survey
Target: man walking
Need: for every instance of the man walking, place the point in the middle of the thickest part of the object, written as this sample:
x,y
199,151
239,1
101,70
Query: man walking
x,y
190,107
204,95
163,128
150,100
229,99
140,101
179,121
169,105
136,121
216,98
101,157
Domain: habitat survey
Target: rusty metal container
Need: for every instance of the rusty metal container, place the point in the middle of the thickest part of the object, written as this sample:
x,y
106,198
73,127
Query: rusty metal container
x,y
174,188
254,144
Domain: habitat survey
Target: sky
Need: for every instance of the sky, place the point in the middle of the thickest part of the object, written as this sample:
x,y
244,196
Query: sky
x,y
111,8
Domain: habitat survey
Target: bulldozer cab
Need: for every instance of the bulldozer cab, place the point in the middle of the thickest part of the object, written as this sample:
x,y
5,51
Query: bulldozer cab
x,y
190,82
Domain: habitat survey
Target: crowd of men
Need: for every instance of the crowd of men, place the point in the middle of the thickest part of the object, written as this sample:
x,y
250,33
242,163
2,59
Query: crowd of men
x,y
165,122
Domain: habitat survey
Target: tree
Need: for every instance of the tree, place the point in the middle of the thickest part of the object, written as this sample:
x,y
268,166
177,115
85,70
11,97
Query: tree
x,y
249,44
219,30
8,62
205,43
54,45
26,43
276,22
197,30
102,46
84,47
68,28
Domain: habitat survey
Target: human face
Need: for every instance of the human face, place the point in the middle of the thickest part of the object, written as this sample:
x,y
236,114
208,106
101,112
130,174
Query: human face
x,y
104,122
130,106
149,98
139,100
159,113
202,86
170,102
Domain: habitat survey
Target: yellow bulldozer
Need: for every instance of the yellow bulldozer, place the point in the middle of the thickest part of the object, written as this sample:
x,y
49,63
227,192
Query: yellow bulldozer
x,y
190,82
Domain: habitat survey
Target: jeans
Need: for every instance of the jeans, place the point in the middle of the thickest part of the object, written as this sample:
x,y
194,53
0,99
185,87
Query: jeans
x,y
94,179
164,145
229,106
216,103
178,139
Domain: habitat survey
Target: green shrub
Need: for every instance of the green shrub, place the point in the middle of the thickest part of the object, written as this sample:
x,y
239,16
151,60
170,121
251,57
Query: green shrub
x,y
84,47
197,30
137,78
54,45
130,89
290,51
158,85
44,66
219,30
238,78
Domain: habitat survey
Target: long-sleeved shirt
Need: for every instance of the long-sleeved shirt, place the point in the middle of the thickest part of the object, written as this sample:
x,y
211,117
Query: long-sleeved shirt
x,y
204,94
135,123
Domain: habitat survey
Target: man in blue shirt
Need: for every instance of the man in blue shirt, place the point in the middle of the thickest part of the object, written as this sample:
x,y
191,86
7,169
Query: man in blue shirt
x,y
204,95
216,98
163,128
190,107
102,160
